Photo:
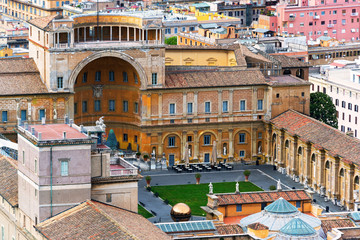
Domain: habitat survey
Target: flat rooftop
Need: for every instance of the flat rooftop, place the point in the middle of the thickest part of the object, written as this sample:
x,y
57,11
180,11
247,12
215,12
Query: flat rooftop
x,y
56,132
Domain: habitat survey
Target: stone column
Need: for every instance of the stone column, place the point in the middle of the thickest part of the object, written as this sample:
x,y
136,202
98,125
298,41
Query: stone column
x,y
231,143
335,179
184,104
322,176
119,33
160,144
281,161
195,103
134,34
140,35
183,145
308,162
196,146
295,157
160,105
350,190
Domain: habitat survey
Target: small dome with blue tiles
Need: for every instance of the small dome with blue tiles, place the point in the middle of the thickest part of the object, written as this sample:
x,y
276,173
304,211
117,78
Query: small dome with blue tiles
x,y
297,227
281,206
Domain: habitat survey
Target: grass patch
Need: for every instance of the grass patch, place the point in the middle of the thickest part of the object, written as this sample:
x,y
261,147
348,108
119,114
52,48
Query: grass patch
x,y
195,195
143,212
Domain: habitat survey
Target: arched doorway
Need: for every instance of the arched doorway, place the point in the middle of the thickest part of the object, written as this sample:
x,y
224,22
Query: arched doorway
x,y
110,87
328,175
313,169
300,73
287,72
274,148
299,165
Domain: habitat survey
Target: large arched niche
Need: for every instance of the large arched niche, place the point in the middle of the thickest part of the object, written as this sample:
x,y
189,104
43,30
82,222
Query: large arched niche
x,y
110,86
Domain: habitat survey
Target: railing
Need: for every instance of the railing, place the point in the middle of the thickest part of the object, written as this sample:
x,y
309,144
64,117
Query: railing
x,y
354,14
128,170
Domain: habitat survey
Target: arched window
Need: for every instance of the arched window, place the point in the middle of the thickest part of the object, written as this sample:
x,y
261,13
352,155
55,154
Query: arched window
x,y
356,180
327,165
259,147
287,143
300,151
342,172
313,157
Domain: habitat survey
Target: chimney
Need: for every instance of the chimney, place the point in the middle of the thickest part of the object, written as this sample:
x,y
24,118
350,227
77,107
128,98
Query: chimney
x,y
350,133
64,135
43,119
39,136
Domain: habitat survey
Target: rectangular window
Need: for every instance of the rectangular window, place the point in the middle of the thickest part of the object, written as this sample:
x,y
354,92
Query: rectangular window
x,y
242,138
64,168
23,115
135,139
111,105
125,106
207,139
84,79
242,153
154,78
4,116
298,204
84,106
238,207
242,105
108,197
136,107
260,105
263,205
190,108
97,106
125,137
75,108
136,79
125,77
60,82
98,76
35,166
41,114
225,106
207,107
171,142
172,108
111,76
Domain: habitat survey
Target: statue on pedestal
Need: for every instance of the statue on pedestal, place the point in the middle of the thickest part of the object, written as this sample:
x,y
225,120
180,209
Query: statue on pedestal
x,y
211,188
237,187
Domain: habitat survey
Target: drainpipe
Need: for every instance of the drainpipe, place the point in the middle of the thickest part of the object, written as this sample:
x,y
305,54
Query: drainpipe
x,y
51,183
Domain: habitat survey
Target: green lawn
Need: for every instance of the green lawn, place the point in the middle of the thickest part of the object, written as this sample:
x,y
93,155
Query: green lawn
x,y
143,212
195,195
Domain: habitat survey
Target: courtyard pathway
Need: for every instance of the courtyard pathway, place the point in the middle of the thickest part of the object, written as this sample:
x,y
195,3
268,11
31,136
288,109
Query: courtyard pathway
x,y
263,176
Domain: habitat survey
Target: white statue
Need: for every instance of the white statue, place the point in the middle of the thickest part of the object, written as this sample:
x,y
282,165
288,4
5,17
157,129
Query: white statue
x,y
55,114
224,152
100,123
278,185
189,152
237,187
356,195
211,188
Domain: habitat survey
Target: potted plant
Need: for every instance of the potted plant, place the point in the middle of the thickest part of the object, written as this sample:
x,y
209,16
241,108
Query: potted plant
x,y
138,154
148,180
247,174
197,176
146,157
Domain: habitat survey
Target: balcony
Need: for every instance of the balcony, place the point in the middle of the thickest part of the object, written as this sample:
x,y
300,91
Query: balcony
x,y
291,18
316,17
120,167
330,26
354,14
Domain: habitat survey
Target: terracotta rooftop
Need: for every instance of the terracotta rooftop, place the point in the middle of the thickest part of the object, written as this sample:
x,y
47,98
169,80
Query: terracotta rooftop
x,y
95,220
19,76
55,132
42,22
258,226
321,135
255,57
286,80
329,224
261,197
288,62
229,229
9,180
213,78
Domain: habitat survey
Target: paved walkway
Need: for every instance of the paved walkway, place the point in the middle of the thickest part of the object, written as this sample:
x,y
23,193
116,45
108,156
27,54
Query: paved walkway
x,y
263,176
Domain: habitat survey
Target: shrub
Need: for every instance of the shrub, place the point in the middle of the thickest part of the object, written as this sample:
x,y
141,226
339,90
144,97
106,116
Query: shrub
x,y
247,173
138,154
166,201
171,41
146,156
147,178
272,187
148,188
156,194
198,175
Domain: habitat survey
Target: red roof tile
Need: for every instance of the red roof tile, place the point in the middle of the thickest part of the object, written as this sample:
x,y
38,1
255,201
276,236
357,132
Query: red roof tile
x,y
261,197
257,226
9,180
328,225
320,134
229,229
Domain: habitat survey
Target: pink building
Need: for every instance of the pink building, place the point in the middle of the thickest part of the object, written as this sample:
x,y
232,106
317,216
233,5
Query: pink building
x,y
314,18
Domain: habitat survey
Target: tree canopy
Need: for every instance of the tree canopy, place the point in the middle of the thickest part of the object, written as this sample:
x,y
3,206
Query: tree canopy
x,y
111,141
323,109
171,41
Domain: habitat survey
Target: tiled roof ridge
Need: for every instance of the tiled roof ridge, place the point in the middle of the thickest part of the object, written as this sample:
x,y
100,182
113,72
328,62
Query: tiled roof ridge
x,y
123,228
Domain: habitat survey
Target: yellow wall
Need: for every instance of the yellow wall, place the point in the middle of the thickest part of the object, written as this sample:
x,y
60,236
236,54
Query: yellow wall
x,y
200,57
6,52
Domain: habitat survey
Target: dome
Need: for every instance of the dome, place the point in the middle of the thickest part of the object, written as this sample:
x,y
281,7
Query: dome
x,y
180,212
297,227
281,206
